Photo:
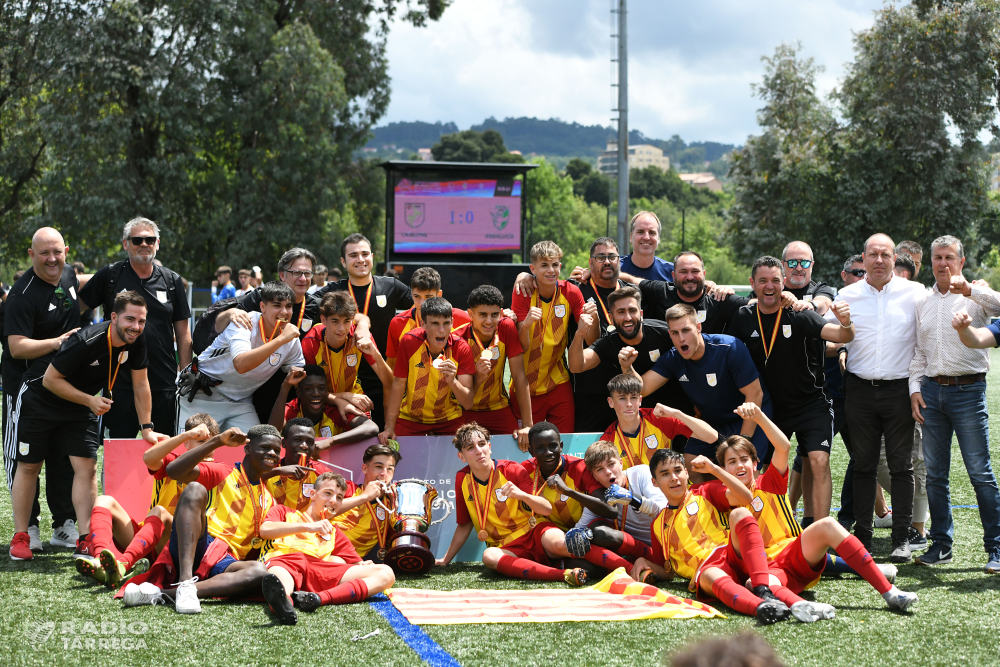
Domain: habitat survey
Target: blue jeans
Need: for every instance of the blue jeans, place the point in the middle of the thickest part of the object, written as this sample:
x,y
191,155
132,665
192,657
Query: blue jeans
x,y
960,410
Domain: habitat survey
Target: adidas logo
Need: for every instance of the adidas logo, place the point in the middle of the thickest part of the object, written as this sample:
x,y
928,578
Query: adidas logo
x,y
420,364
683,378
755,334
95,362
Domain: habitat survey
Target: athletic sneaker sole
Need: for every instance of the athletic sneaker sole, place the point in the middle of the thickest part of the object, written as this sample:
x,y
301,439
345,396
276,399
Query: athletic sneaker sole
x,y
769,612
278,601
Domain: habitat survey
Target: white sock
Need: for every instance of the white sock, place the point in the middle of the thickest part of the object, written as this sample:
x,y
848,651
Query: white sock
x,y
889,593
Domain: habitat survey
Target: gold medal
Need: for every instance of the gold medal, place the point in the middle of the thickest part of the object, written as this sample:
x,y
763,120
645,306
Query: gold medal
x,y
381,554
532,521
256,543
611,328
482,535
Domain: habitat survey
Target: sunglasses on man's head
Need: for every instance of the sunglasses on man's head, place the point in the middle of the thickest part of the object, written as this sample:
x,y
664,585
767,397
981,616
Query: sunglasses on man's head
x,y
857,273
138,240
795,263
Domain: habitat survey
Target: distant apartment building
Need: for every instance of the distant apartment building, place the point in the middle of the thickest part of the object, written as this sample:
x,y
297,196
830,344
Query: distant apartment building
x,y
639,156
705,179
425,154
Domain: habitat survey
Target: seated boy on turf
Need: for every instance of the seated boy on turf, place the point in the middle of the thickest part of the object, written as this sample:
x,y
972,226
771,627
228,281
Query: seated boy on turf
x,y
215,540
798,555
425,283
433,378
335,347
690,539
120,543
640,431
494,342
310,562
362,520
313,403
560,478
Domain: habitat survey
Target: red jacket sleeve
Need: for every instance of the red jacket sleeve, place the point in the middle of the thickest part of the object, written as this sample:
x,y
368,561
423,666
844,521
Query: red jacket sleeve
x,y
772,482
575,298
343,548
508,336
609,434
463,356
311,342
407,347
277,513
514,472
461,504
395,331
212,473
671,426
520,304
291,409
161,473
458,318
715,492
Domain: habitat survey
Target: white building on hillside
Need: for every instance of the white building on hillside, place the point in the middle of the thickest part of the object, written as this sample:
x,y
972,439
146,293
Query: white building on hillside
x,y
639,156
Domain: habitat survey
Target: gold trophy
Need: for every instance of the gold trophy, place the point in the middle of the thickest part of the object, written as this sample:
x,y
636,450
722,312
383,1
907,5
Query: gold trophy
x,y
414,501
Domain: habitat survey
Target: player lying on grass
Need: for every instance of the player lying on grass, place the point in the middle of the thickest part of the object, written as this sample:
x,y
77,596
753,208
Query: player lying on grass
x,y
495,498
119,543
334,424
690,540
365,523
798,556
310,562
215,540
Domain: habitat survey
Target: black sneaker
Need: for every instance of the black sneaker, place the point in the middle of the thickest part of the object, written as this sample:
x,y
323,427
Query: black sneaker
x,y
917,541
306,601
770,612
937,554
901,552
993,564
766,594
279,603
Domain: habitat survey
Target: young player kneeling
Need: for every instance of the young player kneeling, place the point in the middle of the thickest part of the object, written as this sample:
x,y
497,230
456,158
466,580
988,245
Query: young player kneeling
x,y
309,562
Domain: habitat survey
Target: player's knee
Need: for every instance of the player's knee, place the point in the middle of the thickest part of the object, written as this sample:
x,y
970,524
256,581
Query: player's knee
x,y
386,576
830,528
738,514
28,470
193,494
160,513
105,502
254,573
491,557
604,536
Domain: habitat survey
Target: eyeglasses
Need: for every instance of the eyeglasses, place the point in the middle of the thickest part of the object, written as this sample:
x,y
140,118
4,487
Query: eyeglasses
x,y
138,240
795,263
300,274
601,259
857,273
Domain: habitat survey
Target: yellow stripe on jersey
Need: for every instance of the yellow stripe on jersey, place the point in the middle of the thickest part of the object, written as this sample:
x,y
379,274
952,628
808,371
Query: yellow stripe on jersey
x,y
307,543
544,365
341,367
773,513
235,511
428,399
326,428
506,518
689,534
290,492
639,449
166,493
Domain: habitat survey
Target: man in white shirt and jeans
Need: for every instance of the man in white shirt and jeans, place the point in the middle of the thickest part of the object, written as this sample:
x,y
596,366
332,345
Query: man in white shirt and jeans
x,y
948,396
883,308
240,360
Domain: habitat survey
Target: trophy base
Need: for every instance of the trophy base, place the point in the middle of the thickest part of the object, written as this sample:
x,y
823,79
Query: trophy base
x,y
410,553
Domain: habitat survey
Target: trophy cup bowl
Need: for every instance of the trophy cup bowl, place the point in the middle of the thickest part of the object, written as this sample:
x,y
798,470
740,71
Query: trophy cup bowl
x,y
409,550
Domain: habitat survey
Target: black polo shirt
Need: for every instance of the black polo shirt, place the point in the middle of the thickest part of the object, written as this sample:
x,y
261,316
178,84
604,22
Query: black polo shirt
x,y
83,359
595,381
658,296
38,310
813,290
166,303
388,296
791,373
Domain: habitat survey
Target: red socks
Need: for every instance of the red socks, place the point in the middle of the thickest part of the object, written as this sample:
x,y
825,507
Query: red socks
x,y
632,548
855,555
752,550
608,559
144,541
351,591
785,595
102,532
522,568
735,596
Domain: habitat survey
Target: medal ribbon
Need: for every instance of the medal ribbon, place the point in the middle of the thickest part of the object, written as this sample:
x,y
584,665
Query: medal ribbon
x,y
247,488
368,296
381,529
552,309
112,378
625,443
264,337
774,334
607,317
670,530
324,355
302,311
483,513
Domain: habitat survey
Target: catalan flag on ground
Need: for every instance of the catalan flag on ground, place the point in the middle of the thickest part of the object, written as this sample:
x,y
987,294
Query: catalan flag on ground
x,y
616,598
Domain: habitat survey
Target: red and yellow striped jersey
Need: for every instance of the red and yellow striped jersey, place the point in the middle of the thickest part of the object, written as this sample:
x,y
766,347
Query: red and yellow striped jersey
x,y
774,515
295,494
341,366
545,364
364,523
506,519
309,543
565,511
684,536
236,507
654,433
166,491
428,398
329,425
492,394
407,321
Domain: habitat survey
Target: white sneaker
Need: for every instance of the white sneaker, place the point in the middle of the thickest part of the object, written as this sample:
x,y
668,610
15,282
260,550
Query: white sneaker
x,y
900,600
140,594
805,611
186,598
884,521
65,535
35,539
889,571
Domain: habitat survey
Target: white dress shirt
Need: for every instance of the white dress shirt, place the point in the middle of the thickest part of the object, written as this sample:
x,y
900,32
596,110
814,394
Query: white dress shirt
x,y
939,350
885,326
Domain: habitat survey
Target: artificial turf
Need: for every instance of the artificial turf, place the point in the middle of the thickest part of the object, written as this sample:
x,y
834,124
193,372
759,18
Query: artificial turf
x,y
956,622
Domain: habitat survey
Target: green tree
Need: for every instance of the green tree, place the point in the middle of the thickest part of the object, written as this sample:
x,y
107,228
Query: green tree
x,y
472,146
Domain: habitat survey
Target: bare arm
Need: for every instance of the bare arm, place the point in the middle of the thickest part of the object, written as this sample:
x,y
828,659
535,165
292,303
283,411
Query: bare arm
x,y
537,504
143,398
699,429
57,383
392,407
153,457
358,429
372,491
22,347
273,530
753,393
251,359
736,492
523,398
461,386
977,338
778,439
185,467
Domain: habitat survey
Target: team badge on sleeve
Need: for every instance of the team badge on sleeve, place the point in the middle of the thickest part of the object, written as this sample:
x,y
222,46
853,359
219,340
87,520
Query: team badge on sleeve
x,y
381,300
560,310
786,330
711,379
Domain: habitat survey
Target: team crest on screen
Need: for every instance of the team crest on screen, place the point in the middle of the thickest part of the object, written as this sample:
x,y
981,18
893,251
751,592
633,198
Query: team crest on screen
x,y
757,504
692,507
414,214
560,310
325,432
702,314
380,299
711,379
123,356
786,330
651,441
352,360
274,359
500,496
501,216
654,355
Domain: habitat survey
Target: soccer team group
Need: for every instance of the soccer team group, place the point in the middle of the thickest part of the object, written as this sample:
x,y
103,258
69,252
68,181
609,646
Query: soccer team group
x,y
690,478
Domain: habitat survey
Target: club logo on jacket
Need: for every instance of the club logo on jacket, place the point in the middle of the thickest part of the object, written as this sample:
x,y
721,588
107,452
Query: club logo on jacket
x,y
711,379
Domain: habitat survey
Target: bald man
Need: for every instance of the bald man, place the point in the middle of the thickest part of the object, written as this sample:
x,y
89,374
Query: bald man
x,y
41,312
883,308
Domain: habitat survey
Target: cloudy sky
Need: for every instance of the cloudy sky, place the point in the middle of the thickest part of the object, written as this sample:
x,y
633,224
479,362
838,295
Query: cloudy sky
x,y
690,64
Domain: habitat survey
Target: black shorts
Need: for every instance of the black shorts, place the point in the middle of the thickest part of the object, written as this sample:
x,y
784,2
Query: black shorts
x,y
39,435
813,430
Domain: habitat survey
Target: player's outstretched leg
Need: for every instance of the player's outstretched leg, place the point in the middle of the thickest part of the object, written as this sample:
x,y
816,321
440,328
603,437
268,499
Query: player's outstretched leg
x,y
555,545
718,583
521,568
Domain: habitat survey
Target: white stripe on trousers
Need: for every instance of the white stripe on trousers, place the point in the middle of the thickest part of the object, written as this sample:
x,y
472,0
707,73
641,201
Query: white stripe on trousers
x,y
13,410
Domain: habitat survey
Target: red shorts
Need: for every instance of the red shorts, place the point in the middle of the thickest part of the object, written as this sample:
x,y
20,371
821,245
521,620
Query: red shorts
x,y
726,559
406,427
310,573
529,545
496,422
793,570
135,529
555,406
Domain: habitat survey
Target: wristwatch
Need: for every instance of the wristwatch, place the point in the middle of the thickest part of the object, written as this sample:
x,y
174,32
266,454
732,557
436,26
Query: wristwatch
x,y
143,427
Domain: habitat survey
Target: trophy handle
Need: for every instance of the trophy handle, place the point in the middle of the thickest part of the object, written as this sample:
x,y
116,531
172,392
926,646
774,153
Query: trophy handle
x,y
438,502
389,493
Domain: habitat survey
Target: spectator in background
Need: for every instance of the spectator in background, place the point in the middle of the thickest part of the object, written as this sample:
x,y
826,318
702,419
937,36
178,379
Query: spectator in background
x,y
245,277
905,267
912,250
222,286
645,230
798,260
335,275
319,277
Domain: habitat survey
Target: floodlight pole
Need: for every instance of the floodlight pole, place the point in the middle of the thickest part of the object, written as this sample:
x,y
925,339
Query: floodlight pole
x,y
622,127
